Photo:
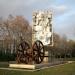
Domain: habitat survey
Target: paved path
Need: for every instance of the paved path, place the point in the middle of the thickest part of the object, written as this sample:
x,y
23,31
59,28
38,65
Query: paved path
x,y
16,69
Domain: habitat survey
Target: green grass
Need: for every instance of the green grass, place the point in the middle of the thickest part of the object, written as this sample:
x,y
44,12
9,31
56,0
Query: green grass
x,y
66,69
4,64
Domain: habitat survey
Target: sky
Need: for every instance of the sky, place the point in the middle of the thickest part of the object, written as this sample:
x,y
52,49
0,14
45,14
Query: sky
x,y
63,13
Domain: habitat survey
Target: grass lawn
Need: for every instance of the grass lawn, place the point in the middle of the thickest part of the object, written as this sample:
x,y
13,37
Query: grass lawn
x,y
66,69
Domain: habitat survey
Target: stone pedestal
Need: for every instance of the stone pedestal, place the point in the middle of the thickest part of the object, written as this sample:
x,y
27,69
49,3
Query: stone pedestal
x,y
27,66
23,66
47,58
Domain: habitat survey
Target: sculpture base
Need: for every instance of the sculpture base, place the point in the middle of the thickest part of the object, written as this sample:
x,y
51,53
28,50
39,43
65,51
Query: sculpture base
x,y
35,66
28,66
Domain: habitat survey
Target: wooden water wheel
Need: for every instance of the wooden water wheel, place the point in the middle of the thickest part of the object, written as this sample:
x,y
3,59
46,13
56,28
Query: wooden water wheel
x,y
23,53
38,52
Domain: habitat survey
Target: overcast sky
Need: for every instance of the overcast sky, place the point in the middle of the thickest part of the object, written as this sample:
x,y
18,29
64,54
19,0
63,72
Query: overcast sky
x,y
63,12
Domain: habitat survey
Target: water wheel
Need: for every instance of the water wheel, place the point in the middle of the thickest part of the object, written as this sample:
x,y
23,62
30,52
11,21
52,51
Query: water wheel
x,y
38,52
22,52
